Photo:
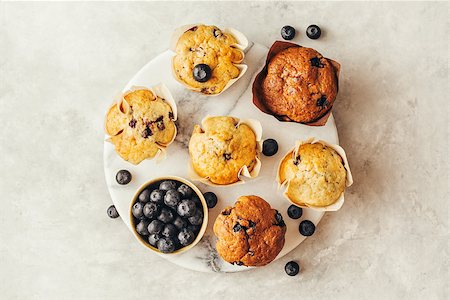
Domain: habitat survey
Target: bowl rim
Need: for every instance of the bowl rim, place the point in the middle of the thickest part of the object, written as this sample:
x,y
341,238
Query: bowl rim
x,y
202,200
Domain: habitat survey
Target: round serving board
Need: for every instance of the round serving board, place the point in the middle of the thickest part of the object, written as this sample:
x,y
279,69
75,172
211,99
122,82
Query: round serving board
x,y
192,108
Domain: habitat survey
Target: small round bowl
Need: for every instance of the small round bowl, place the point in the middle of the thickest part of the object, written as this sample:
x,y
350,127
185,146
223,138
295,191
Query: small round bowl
x,y
197,192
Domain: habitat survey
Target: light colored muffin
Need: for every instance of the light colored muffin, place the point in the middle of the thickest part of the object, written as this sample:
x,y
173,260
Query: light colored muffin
x,y
315,175
208,45
139,125
222,148
251,233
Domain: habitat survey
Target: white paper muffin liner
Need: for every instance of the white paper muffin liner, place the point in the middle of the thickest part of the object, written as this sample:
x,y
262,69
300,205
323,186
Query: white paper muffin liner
x,y
159,90
242,44
348,182
244,172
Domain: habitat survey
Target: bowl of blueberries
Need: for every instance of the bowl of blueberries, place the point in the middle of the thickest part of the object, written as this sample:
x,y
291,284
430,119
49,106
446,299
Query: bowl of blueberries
x,y
169,215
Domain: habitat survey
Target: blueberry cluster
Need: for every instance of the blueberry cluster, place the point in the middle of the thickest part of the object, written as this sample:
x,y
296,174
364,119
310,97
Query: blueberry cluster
x,y
168,214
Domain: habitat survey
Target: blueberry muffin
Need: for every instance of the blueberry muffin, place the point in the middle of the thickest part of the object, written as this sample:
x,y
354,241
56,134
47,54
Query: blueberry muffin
x,y
215,51
315,175
140,125
222,148
301,85
251,233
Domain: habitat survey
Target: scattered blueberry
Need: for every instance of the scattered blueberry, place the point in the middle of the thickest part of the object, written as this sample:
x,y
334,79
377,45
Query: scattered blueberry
x,y
288,32
144,196
153,238
123,177
180,223
197,201
169,230
294,212
112,212
270,147
186,236
157,196
313,32
186,208
165,245
197,218
151,210
202,72
166,215
155,226
172,198
292,268
306,228
185,191
137,210
211,199
141,227
168,185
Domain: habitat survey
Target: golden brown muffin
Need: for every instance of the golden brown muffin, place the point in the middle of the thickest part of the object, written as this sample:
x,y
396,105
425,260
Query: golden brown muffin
x,y
315,173
222,148
300,84
251,233
204,44
139,125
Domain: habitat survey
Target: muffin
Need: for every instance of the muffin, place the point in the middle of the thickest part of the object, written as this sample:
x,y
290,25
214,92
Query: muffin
x,y
300,85
315,175
210,46
140,125
224,149
251,233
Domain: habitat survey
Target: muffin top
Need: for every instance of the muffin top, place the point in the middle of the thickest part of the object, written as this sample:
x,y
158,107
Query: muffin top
x,y
300,84
251,233
139,125
207,45
315,173
222,148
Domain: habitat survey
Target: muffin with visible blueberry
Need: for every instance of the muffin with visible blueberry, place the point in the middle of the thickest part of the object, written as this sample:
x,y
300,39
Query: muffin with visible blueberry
x,y
207,58
140,125
251,233
223,148
298,84
314,175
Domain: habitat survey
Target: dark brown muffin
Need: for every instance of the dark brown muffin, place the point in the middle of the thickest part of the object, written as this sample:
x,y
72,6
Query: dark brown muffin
x,y
251,233
300,84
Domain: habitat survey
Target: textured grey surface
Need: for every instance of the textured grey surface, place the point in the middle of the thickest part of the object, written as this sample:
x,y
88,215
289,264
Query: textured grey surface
x,y
60,63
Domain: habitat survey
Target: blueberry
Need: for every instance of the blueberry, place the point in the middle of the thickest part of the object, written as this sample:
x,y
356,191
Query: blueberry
x,y
112,212
157,196
211,199
155,226
165,245
144,196
185,191
141,227
306,228
288,32
202,72
166,215
197,218
186,208
292,268
194,228
168,185
294,212
279,219
180,223
197,201
151,210
313,32
137,210
153,238
270,147
172,198
186,236
169,230
123,177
